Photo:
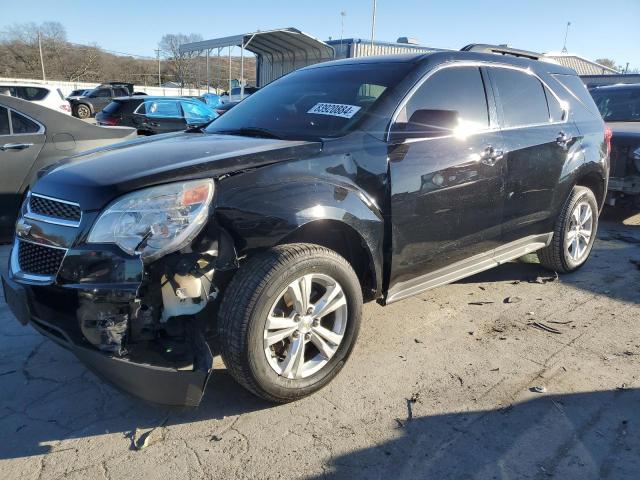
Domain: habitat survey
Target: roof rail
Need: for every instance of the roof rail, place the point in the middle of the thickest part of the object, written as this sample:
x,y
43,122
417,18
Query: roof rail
x,y
501,50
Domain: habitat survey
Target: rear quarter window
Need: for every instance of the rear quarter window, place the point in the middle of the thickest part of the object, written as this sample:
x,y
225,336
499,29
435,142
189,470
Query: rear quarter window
x,y
22,124
4,121
574,86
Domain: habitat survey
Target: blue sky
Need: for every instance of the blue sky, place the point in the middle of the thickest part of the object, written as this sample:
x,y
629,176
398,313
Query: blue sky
x,y
598,28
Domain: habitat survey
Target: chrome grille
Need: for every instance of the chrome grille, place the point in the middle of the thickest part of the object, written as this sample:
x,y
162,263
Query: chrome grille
x,y
39,259
55,209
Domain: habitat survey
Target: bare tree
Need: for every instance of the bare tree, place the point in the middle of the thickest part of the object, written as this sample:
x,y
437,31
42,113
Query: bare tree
x,y
607,62
180,62
61,59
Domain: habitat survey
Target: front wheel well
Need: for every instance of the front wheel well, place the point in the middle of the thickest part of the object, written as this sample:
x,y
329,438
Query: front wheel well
x,y
345,241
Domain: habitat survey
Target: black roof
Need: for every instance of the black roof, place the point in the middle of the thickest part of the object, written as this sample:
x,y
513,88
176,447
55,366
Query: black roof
x,y
451,56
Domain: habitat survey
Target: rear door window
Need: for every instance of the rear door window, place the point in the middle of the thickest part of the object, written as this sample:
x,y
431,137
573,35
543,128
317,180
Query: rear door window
x,y
521,98
556,111
4,121
162,108
455,89
22,124
103,92
32,93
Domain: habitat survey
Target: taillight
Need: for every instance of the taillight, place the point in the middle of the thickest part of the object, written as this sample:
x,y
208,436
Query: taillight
x,y
608,133
65,107
110,121
219,111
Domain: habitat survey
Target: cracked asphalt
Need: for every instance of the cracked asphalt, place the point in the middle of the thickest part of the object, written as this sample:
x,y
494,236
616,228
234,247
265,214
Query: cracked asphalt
x,y
441,385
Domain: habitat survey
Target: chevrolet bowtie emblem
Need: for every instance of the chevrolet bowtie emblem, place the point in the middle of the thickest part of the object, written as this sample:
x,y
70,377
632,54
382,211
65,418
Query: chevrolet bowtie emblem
x,y
22,228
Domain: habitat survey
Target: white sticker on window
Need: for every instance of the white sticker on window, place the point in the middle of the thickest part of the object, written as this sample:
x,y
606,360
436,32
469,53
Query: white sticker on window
x,y
334,109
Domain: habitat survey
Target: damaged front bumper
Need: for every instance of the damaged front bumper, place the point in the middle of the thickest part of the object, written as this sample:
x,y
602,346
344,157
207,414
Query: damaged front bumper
x,y
102,305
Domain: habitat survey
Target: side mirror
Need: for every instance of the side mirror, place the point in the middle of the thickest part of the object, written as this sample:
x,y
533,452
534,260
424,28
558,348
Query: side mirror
x,y
426,124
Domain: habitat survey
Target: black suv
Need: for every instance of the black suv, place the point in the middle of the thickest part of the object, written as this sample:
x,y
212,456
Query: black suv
x,y
620,108
150,115
261,235
98,98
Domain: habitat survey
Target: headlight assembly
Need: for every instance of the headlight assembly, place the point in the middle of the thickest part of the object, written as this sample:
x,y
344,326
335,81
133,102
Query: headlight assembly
x,y
155,221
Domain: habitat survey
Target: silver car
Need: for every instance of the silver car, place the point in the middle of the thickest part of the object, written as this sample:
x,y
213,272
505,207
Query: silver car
x,y
33,137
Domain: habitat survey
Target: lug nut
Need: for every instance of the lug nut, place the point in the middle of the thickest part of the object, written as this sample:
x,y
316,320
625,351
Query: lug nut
x,y
316,322
307,336
296,334
309,310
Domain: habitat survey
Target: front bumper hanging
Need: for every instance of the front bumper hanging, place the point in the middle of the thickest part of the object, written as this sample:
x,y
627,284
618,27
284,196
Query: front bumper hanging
x,y
58,311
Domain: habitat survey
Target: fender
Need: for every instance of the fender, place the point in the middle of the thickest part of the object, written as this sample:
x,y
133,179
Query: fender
x,y
264,207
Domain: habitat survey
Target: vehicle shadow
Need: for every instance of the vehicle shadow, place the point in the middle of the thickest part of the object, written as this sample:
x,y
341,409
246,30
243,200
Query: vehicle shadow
x,y
613,266
590,435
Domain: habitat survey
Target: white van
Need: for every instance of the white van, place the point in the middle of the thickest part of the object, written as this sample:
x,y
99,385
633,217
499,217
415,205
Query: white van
x,y
42,94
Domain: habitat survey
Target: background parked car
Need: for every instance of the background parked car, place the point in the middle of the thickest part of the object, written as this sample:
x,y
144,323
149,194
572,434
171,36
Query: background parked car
x,y
99,98
150,115
42,94
33,137
211,99
225,107
236,95
619,106
83,92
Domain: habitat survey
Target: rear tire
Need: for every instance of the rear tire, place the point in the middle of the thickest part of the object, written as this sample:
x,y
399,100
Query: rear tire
x,y
264,301
574,233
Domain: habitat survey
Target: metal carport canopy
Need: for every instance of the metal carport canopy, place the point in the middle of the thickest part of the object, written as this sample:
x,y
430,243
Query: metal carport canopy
x,y
286,44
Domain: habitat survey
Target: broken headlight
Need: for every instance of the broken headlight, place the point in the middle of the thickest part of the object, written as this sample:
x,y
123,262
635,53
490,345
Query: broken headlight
x,y
155,221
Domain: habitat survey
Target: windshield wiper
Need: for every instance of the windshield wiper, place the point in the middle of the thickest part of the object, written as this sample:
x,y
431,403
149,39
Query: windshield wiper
x,y
250,132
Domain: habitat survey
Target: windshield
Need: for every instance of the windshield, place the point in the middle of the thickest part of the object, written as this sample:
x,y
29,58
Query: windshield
x,y
618,105
314,103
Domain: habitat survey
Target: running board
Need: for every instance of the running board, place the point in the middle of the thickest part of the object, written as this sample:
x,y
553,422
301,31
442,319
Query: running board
x,y
466,268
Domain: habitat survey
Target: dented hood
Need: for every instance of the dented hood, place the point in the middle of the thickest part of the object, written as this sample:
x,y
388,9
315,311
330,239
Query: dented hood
x,y
95,178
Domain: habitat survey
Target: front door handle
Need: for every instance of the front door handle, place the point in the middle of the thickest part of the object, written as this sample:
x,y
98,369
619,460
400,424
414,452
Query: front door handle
x,y
563,139
15,146
490,156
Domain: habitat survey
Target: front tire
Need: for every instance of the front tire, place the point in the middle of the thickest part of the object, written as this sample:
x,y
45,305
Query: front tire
x,y
289,320
83,111
574,233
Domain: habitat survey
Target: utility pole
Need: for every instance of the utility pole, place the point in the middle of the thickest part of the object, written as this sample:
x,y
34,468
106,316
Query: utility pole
x,y
158,55
342,15
373,22
566,33
44,77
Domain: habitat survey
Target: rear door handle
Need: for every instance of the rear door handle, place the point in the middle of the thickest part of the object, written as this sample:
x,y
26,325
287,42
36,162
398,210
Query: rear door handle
x,y
490,156
15,146
563,139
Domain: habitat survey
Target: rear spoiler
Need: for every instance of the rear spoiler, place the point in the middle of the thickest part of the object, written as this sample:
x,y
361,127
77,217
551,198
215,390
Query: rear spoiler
x,y
502,50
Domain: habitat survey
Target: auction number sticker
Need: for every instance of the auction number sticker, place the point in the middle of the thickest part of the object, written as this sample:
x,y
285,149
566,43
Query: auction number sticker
x,y
334,109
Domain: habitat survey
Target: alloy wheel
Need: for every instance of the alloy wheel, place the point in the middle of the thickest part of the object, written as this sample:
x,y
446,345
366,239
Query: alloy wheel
x,y
305,326
578,236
